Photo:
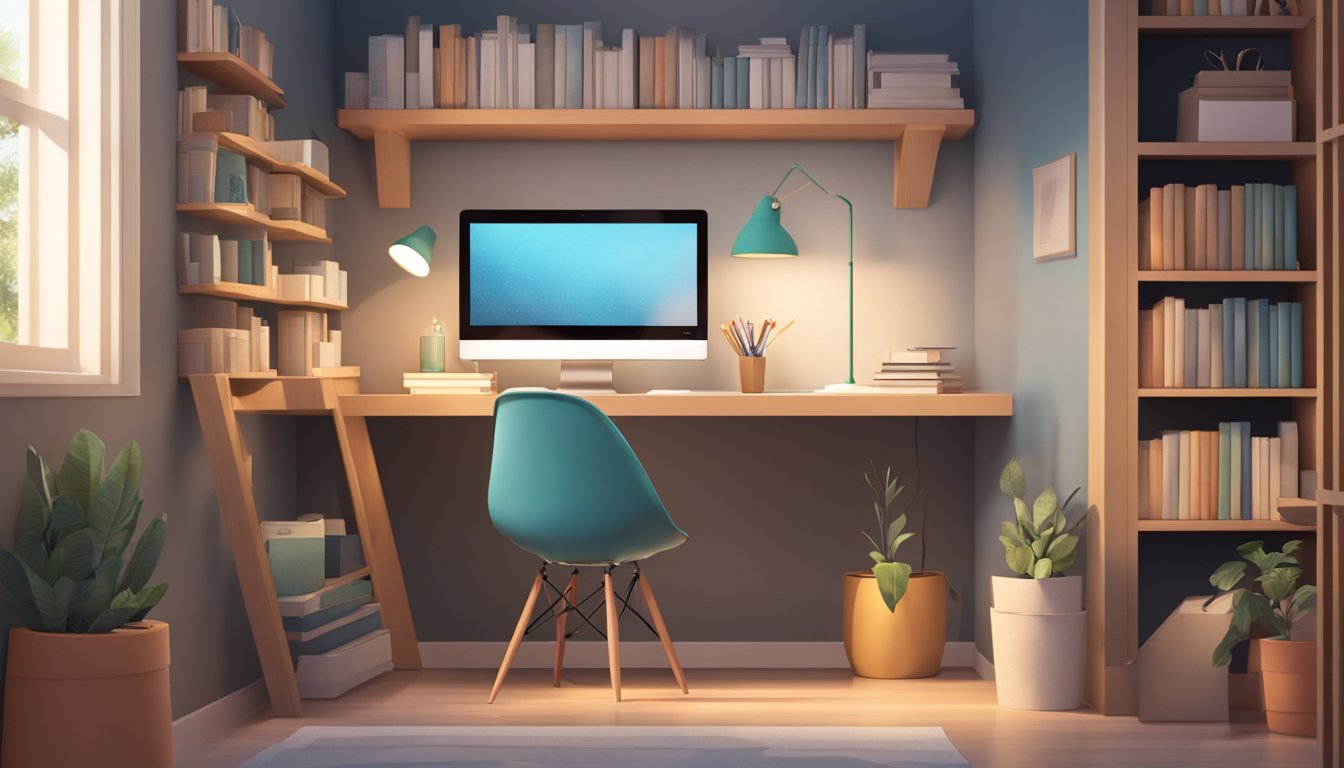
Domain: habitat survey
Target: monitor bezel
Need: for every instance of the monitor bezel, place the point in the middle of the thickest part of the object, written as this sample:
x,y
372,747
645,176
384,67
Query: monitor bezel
x,y
469,332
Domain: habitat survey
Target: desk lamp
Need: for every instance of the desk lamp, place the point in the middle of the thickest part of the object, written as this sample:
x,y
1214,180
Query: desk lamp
x,y
764,237
414,251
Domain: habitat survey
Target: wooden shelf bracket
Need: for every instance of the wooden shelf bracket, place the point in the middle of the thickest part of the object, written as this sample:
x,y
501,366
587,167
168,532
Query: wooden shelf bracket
x,y
392,158
915,158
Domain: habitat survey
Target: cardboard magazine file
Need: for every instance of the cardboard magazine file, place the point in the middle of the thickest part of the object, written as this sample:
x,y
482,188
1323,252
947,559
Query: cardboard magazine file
x,y
1174,676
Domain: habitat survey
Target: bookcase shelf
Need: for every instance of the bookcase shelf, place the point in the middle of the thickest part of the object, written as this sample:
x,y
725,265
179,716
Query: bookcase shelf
x,y
916,133
252,149
1197,526
229,71
1227,150
1229,392
246,292
1221,25
245,215
1227,276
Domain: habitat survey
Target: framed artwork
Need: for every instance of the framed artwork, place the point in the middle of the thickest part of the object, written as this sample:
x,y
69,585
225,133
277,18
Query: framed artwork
x,y
1053,219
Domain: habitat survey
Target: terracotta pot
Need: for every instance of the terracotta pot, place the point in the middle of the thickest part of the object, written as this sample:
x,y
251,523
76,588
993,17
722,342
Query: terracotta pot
x,y
1288,675
1060,594
97,700
904,644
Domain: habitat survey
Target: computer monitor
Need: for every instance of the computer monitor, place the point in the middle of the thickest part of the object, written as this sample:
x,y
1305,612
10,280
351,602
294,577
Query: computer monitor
x,y
583,287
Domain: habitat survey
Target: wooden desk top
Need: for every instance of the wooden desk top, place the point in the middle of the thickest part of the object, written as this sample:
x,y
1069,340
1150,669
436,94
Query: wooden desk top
x,y
705,404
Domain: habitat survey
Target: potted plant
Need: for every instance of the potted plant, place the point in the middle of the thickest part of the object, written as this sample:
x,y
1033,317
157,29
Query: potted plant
x,y
1037,620
80,587
895,619
1274,601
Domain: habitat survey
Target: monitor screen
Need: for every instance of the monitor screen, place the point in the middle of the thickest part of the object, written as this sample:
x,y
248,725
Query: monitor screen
x,y
583,284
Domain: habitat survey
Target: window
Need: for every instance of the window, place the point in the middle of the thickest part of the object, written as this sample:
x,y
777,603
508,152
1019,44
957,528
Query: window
x,y
69,197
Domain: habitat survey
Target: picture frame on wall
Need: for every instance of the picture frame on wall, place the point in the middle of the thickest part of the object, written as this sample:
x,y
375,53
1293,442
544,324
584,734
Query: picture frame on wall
x,y
1053,214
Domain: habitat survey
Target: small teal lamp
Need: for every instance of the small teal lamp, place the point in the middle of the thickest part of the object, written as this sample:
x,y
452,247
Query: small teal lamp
x,y
764,237
414,251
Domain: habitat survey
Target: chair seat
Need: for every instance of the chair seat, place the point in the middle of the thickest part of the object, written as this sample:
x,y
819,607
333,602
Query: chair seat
x,y
624,548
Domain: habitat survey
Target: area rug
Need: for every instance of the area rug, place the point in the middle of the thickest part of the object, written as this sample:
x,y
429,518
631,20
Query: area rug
x,y
609,747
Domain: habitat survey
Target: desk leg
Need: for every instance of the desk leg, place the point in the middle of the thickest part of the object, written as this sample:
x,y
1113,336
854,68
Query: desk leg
x,y
380,551
231,465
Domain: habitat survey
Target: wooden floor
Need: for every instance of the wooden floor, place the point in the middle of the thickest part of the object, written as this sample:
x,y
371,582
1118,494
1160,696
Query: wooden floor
x,y
957,701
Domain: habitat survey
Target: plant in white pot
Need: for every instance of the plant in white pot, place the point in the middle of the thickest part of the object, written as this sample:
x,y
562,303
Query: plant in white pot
x,y
1037,619
895,618
1273,601
78,582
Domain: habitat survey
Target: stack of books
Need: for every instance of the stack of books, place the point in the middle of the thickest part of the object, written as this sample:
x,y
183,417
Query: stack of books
x,y
1239,343
449,383
207,259
1237,105
1248,226
335,637
223,338
912,81
204,26
918,371
305,340
1224,475
1212,7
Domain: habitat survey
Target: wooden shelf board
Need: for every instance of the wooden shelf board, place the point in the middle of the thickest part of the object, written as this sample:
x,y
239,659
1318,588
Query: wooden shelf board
x,y
1227,276
1221,25
1153,526
233,74
252,149
255,375
917,133
1332,133
246,292
246,215
1228,392
340,581
706,404
339,372
1231,150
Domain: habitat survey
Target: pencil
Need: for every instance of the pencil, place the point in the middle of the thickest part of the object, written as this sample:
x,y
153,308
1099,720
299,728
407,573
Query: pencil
x,y
729,337
782,330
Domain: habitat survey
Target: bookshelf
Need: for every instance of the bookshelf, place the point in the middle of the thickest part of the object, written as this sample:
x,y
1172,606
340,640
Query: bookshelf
x,y
249,292
244,215
916,134
255,152
1129,155
232,73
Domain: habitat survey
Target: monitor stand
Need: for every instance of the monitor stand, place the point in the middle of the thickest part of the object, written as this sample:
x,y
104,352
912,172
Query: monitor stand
x,y
586,377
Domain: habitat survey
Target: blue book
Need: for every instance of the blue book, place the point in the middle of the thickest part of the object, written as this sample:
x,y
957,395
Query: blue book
x,y
245,261
1246,498
1290,227
1248,222
1262,341
743,82
573,65
1284,362
1266,226
1295,344
1252,226
1278,227
730,82
860,51
1202,7
1238,343
1229,364
1271,378
230,177
800,78
823,73
1224,470
811,67
324,616
716,85
334,634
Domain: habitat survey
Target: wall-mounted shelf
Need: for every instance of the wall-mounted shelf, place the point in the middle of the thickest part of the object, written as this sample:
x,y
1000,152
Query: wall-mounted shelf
x,y
1197,526
1227,150
233,74
1226,276
917,134
253,150
1221,25
1229,392
245,215
247,292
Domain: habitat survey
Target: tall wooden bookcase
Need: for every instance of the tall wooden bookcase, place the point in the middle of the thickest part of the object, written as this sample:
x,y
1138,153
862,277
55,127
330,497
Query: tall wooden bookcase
x,y
1131,149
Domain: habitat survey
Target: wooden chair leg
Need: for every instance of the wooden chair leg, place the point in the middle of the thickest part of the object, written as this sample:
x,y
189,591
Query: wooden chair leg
x,y
647,590
517,640
613,635
571,594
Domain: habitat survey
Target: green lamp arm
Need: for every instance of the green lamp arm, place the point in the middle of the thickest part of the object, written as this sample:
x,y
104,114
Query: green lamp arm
x,y
775,196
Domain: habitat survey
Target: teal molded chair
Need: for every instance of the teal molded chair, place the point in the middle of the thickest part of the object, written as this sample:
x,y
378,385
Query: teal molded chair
x,y
565,486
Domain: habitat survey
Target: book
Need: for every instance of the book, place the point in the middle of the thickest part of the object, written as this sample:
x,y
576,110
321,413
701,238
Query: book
x,y
1238,344
575,66
1183,476
1194,227
306,604
425,52
1257,479
1246,496
1171,491
1224,471
1145,512
1203,352
1196,474
1169,360
1155,466
387,72
1275,478
1209,259
526,86
1196,259
1290,227
1155,232
857,76
1146,368
1156,342
1272,341
1262,341
1282,361
1224,237
363,620
1288,455
1276,260
1250,226
1253,343
1145,226
1229,359
1190,349
1236,227
1266,226
1235,468
1295,344
544,77
1216,345
1179,228
1168,227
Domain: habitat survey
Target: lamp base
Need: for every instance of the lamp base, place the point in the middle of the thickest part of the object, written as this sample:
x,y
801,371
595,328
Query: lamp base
x,y
846,387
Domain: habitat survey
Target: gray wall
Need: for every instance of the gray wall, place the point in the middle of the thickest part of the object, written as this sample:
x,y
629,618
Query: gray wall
x,y
1030,319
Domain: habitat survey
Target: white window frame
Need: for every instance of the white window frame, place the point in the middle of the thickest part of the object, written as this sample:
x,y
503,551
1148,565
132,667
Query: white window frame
x,y
81,337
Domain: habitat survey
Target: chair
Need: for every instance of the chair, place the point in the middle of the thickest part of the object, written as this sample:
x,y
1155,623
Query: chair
x,y
565,486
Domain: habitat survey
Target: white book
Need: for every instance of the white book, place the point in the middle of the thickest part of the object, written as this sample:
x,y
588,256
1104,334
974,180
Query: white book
x,y
1275,475
527,70
412,90
489,46
589,69
561,62
629,70
776,83
756,83
790,83
1288,454
427,68
1257,479
396,72
599,81
503,57
1183,492
356,90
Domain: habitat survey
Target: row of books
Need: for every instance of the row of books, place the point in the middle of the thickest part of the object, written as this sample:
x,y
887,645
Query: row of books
x,y
1211,7
206,27
208,173
1224,475
1239,343
570,66
319,280
918,371
206,259
335,637
449,383
305,341
223,337
199,110
1249,226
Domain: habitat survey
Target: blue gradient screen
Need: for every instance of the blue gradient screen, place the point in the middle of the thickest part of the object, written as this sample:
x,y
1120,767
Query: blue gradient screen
x,y
583,274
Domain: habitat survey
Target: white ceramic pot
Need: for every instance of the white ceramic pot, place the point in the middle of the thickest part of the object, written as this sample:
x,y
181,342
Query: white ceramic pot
x,y
1061,594
1038,659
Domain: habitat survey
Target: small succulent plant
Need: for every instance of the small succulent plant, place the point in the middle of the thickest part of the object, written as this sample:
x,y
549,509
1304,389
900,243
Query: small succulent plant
x,y
893,577
1039,542
1275,606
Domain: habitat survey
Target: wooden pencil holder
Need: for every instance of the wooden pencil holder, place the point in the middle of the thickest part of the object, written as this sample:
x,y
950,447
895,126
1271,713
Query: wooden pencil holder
x,y
752,370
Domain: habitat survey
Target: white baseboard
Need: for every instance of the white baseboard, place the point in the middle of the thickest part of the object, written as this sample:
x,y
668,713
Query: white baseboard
x,y
983,667
195,731
592,654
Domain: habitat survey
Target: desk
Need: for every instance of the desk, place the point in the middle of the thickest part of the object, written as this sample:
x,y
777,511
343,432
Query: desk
x,y
220,398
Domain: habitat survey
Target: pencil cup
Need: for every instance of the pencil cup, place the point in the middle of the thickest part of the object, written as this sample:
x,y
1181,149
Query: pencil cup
x,y
753,373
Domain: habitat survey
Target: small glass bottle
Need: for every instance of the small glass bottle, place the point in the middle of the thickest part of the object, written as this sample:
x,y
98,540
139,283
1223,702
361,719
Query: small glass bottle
x,y
431,348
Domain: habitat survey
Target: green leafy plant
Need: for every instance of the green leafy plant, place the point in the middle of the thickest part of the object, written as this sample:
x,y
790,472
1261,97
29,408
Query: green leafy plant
x,y
1038,542
68,571
892,577
1275,606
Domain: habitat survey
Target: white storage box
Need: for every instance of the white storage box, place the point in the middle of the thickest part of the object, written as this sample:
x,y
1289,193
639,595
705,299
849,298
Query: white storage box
x,y
1244,119
1174,677
358,661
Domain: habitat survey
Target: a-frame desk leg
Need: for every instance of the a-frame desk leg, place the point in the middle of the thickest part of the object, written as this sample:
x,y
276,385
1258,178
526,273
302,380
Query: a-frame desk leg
x,y
231,465
380,551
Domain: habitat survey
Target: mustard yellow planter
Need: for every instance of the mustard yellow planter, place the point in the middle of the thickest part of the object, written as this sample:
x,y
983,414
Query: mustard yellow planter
x,y
904,644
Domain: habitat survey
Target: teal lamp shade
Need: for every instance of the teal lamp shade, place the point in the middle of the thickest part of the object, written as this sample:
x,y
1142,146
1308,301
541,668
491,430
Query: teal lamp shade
x,y
764,237
414,251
